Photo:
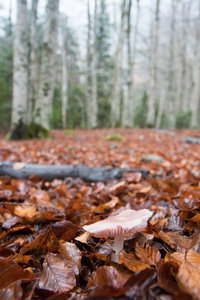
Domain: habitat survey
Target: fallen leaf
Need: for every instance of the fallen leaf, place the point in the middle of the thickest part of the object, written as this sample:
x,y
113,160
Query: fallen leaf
x,y
71,252
18,166
131,262
149,255
58,274
11,272
188,278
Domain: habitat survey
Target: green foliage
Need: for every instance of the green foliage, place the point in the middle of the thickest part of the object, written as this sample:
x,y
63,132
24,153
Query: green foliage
x,y
140,116
113,137
76,107
56,116
183,119
69,132
104,113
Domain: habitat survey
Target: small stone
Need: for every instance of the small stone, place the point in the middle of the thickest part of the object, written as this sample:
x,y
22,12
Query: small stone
x,y
153,157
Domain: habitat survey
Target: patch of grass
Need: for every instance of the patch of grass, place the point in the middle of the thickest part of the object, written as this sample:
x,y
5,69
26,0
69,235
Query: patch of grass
x,y
69,132
113,137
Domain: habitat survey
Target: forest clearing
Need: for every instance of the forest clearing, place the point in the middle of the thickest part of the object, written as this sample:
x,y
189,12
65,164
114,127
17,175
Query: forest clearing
x,y
46,253
99,149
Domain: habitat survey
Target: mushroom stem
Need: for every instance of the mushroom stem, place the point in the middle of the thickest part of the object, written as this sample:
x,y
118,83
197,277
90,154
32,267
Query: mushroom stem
x,y
118,246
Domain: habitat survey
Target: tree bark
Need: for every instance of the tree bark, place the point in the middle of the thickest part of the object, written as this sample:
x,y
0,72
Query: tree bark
x,y
127,112
171,74
196,97
34,62
89,68
64,73
153,69
50,172
115,105
94,109
43,106
20,72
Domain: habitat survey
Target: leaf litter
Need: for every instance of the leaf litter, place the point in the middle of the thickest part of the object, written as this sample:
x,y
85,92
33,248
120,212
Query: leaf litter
x,y
46,254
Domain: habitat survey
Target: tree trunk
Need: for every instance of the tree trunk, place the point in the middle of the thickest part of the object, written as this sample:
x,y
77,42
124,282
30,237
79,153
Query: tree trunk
x,y
34,62
153,69
171,74
64,73
89,77
43,105
20,73
196,97
51,172
134,55
127,113
94,110
115,105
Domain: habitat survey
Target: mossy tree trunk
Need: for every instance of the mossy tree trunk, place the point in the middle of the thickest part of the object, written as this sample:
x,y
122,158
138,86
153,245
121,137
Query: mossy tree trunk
x,y
43,105
20,74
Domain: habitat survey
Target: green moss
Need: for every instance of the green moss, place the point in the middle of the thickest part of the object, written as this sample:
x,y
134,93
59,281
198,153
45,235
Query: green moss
x,y
36,131
69,132
113,137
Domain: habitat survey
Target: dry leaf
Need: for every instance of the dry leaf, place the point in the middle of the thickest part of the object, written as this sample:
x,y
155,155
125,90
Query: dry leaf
x,y
18,166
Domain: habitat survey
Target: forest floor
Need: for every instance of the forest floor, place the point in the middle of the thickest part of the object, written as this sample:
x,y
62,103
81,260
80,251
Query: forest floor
x,y
46,254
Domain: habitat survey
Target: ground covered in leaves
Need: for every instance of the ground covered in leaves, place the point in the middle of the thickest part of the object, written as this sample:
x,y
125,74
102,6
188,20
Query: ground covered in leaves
x,y
46,254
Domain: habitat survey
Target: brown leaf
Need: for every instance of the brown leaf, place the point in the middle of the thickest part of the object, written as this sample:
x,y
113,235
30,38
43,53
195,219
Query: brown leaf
x,y
71,252
110,204
11,272
108,276
179,257
12,292
188,278
149,255
46,242
166,279
58,274
25,211
131,262
83,237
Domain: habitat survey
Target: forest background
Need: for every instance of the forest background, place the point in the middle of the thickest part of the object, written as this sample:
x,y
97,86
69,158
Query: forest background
x,y
130,63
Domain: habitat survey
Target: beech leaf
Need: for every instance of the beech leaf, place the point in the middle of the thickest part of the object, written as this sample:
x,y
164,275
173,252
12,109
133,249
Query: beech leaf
x,y
58,274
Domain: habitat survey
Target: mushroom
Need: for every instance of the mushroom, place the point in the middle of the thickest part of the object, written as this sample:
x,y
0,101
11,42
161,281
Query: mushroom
x,y
125,222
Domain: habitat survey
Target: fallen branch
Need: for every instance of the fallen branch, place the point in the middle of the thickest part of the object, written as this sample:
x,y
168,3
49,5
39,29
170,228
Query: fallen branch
x,y
50,172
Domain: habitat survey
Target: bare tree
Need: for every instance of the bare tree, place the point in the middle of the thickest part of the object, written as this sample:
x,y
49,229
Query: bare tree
x,y
171,74
34,62
64,72
89,68
43,105
94,111
127,116
115,105
196,96
153,69
20,72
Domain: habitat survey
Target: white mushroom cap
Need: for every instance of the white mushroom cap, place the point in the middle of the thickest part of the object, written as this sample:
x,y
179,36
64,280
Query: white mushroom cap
x,y
125,222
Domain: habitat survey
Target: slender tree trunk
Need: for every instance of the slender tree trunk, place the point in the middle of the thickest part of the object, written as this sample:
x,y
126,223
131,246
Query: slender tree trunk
x,y
127,116
43,105
34,62
64,73
134,55
153,69
161,107
20,73
196,97
115,105
94,73
184,41
171,74
89,77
